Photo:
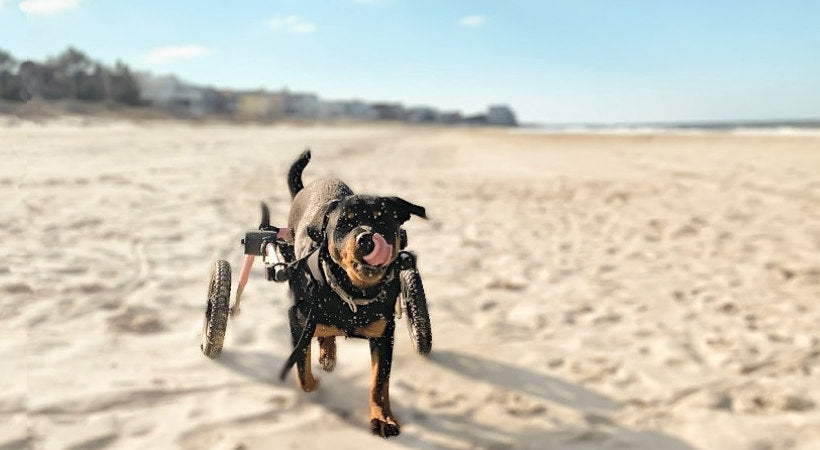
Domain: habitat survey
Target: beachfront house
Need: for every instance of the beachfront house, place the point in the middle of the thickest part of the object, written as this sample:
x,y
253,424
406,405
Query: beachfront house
x,y
171,93
389,111
259,104
422,114
501,115
347,109
301,105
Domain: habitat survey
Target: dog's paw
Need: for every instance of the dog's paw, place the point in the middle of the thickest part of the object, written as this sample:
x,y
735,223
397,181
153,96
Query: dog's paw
x,y
327,353
311,383
234,311
327,362
384,428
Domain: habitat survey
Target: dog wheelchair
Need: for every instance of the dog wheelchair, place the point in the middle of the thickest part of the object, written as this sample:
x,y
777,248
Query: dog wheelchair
x,y
277,252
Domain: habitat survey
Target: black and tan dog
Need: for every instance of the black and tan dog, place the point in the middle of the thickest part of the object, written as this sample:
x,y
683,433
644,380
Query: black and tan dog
x,y
344,283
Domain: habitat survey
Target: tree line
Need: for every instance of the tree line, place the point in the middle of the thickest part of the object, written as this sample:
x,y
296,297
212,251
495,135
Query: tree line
x,y
69,75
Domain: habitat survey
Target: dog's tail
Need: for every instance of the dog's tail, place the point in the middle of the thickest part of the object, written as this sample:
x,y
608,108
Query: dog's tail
x,y
295,173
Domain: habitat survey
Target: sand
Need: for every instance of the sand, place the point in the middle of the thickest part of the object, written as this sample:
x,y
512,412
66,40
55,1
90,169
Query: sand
x,y
586,290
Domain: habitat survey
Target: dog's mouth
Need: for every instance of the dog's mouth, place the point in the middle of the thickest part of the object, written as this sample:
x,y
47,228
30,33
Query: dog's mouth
x,y
369,271
367,258
376,252
374,255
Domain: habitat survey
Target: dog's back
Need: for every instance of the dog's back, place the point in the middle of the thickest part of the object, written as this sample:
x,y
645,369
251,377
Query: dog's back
x,y
308,201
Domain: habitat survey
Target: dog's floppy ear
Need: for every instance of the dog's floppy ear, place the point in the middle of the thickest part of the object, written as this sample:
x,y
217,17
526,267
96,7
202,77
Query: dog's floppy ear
x,y
405,209
317,227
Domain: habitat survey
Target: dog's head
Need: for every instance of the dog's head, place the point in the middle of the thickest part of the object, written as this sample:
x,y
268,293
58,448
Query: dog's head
x,y
362,234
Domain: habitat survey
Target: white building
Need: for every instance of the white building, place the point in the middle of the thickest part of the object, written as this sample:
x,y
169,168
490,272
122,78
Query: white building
x,y
347,109
172,93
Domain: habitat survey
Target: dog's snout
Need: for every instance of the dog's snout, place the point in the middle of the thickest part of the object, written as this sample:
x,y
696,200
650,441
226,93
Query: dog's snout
x,y
364,243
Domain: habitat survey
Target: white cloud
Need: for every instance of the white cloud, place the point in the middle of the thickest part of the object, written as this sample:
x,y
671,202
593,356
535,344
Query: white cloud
x,y
472,21
161,55
291,24
47,7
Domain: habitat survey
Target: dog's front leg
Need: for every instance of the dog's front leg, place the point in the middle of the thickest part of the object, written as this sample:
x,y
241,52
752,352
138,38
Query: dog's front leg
x,y
327,353
307,382
382,422
304,377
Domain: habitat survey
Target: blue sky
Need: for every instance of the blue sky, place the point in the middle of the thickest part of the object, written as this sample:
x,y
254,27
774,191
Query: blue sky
x,y
552,61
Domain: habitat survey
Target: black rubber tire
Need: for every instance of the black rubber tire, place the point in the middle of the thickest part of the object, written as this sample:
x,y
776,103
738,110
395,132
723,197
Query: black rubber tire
x,y
216,312
418,319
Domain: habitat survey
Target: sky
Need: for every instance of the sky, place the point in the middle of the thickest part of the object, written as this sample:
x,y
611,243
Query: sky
x,y
571,61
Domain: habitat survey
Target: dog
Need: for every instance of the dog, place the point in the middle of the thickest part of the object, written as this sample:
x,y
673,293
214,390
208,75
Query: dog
x,y
344,281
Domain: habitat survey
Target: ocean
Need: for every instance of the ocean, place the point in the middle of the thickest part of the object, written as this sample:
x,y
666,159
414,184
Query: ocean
x,y
782,127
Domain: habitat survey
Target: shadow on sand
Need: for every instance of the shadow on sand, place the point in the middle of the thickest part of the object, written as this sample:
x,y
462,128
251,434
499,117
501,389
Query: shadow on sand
x,y
344,398
260,366
523,380
601,432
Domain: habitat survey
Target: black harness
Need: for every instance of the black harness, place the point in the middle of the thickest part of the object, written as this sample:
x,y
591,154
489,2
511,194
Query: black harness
x,y
329,302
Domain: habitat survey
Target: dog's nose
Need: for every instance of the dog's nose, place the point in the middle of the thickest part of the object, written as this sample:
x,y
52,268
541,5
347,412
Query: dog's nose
x,y
382,252
364,243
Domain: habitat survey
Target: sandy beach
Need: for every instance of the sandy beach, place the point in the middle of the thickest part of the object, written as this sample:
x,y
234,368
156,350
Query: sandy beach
x,y
645,290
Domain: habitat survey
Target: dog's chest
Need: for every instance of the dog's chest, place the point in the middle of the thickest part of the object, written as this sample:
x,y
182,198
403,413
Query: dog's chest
x,y
371,330
332,311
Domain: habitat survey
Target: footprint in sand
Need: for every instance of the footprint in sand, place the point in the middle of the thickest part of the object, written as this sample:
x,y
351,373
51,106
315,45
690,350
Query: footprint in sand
x,y
137,319
73,269
114,179
752,399
17,288
516,404
96,443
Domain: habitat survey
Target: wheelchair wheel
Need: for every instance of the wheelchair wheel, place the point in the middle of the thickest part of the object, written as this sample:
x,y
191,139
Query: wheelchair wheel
x,y
418,319
216,312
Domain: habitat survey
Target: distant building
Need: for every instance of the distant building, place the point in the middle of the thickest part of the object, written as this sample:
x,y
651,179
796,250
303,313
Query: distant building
x,y
216,101
389,111
450,117
171,93
225,101
478,119
422,114
360,110
259,104
501,115
349,109
331,110
250,105
352,109
301,105
42,81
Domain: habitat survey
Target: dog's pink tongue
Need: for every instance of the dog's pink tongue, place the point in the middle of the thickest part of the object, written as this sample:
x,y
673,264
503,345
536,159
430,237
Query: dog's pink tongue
x,y
382,251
